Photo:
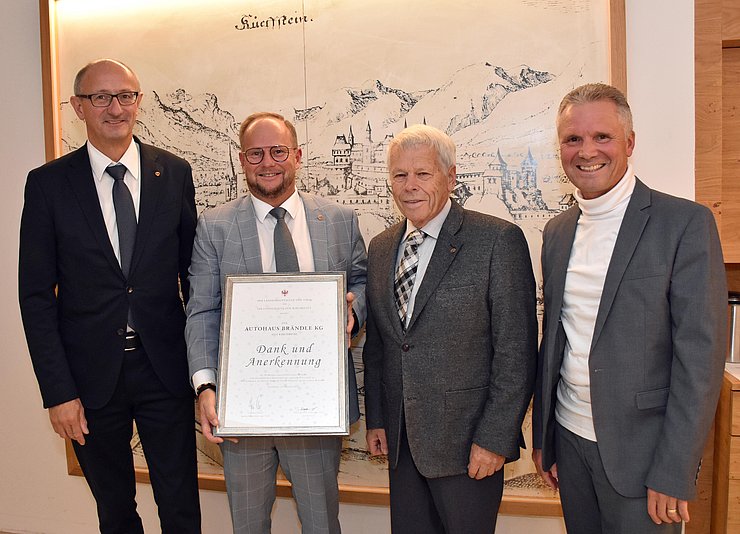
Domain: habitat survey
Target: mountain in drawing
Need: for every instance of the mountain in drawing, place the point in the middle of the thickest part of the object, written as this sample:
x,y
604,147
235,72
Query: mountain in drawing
x,y
466,106
468,98
196,127
193,126
373,97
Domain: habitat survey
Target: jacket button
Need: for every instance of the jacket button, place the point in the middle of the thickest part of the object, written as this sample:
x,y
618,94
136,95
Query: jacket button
x,y
129,290
405,347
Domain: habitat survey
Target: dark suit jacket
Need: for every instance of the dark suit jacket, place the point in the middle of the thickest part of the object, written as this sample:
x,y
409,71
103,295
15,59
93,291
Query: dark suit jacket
x,y
464,370
658,347
74,297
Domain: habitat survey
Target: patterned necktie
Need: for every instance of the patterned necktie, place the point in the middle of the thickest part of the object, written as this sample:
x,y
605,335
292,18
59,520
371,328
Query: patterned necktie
x,y
406,273
286,259
123,203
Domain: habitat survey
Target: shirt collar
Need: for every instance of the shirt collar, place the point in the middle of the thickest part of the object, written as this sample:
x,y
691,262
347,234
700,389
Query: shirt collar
x,y
617,196
293,204
433,227
99,161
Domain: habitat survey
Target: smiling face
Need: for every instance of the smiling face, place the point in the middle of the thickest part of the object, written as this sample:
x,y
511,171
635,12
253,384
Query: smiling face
x,y
594,146
420,186
111,128
269,180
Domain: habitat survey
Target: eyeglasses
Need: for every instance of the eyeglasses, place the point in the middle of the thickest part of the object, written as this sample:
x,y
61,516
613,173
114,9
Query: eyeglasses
x,y
256,154
103,100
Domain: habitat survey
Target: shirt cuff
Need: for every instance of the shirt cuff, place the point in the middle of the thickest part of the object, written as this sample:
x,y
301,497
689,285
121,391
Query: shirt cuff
x,y
204,376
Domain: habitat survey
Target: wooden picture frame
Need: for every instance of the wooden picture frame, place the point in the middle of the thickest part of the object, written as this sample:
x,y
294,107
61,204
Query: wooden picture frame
x,y
351,493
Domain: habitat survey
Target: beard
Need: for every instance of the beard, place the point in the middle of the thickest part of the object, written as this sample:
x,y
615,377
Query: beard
x,y
265,194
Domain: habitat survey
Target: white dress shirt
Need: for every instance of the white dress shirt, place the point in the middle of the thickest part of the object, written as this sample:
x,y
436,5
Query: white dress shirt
x,y
425,250
104,185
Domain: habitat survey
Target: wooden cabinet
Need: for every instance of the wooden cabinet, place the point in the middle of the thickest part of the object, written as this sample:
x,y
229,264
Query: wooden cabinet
x,y
717,104
726,469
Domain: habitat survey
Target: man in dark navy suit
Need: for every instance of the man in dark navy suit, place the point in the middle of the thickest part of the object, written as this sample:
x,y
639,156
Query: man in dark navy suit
x,y
105,244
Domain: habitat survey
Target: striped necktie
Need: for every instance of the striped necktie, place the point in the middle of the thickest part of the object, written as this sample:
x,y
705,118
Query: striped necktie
x,y
406,274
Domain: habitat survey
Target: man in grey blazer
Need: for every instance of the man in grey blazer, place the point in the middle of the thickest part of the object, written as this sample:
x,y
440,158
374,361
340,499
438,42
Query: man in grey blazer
x,y
451,346
634,337
237,238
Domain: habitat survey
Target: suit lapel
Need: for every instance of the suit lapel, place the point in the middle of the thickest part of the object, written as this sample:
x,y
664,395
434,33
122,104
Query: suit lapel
x,y
152,181
446,249
81,181
246,221
317,229
558,256
635,218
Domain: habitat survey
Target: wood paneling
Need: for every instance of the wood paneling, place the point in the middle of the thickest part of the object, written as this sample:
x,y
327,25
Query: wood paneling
x,y
730,21
733,276
721,479
49,82
708,101
731,125
617,45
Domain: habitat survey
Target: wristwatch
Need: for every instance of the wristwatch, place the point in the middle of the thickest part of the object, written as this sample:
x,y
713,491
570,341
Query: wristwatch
x,y
203,387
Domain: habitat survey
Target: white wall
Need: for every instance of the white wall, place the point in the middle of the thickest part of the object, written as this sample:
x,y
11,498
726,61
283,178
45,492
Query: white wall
x,y
660,87
36,494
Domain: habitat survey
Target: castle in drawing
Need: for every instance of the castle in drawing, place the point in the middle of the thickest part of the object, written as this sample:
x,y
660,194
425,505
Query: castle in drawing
x,y
357,171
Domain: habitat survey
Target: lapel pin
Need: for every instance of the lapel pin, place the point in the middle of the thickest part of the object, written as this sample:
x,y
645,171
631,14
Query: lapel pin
x,y
157,173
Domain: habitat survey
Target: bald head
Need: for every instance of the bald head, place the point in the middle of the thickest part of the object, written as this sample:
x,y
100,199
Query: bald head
x,y
80,78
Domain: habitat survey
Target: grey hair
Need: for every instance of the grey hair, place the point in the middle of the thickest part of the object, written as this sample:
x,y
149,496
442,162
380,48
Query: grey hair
x,y
421,134
594,92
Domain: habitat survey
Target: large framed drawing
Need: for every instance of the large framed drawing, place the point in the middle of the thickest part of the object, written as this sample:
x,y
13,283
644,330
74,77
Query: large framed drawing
x,y
350,75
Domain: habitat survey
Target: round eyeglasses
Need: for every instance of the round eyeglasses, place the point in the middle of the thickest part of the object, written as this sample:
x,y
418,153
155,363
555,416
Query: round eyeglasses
x,y
103,100
256,154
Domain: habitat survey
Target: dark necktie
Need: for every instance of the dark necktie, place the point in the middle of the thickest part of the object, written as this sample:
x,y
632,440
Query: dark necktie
x,y
286,260
406,273
125,216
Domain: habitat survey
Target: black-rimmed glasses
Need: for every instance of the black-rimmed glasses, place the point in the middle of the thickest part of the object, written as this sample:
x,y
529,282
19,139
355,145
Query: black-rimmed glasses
x,y
256,154
103,100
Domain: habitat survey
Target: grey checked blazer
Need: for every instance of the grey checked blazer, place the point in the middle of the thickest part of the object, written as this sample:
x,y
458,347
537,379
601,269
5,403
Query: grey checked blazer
x,y
658,346
226,242
463,371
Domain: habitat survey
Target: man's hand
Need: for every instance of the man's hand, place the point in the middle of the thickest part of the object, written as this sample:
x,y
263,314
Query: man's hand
x,y
377,443
483,463
663,508
350,317
208,417
550,477
68,420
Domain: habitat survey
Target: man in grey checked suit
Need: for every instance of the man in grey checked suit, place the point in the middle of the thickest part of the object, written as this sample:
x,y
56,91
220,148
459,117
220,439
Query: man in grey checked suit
x,y
449,373
634,334
237,238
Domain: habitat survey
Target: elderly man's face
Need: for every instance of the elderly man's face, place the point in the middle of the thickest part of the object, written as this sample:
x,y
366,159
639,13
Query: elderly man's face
x,y
112,125
420,187
269,180
594,146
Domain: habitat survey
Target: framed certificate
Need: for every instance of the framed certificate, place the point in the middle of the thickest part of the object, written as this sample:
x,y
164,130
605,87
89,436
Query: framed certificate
x,y
283,357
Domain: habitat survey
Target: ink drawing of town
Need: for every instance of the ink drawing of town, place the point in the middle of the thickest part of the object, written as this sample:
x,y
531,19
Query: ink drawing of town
x,y
350,75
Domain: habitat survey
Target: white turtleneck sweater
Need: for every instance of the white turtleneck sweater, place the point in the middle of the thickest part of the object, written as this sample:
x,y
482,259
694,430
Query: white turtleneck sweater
x,y
593,245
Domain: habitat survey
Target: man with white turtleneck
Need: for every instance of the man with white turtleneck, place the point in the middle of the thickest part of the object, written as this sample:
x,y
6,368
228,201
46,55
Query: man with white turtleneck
x,y
633,340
